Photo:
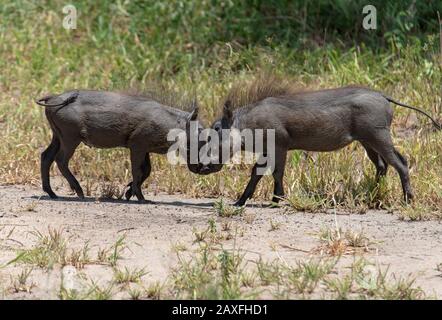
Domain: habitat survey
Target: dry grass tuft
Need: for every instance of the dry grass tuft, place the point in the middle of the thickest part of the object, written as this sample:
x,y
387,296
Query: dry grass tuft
x,y
337,242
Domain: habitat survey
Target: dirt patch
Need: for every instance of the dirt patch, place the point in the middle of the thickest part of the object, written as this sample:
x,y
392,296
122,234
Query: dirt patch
x,y
154,231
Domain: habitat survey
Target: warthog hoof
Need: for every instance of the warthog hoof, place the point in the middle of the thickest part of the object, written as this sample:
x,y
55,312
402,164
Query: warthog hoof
x,y
51,194
408,197
128,194
239,203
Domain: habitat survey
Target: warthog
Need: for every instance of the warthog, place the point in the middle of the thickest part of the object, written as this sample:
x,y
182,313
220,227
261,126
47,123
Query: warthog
x,y
324,120
107,120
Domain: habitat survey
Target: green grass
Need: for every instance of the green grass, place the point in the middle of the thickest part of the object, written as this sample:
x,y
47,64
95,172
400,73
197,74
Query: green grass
x,y
126,276
197,47
225,210
54,249
92,292
214,272
214,269
22,283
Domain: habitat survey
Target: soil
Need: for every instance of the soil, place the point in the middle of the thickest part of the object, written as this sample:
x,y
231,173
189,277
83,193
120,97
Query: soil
x,y
153,230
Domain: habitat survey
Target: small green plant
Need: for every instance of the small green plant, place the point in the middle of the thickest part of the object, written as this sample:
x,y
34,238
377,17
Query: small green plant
x,y
126,276
209,274
226,225
51,248
200,235
154,291
307,274
70,294
134,293
249,217
112,254
269,272
90,291
274,225
78,257
342,287
357,239
336,242
302,202
96,292
226,210
212,225
381,285
21,283
178,247
417,212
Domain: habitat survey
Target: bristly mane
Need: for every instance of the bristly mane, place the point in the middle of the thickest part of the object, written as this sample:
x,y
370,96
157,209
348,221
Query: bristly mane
x,y
153,91
263,86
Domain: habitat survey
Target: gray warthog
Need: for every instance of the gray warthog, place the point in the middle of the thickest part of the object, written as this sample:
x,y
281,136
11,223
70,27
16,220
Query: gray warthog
x,y
324,120
108,120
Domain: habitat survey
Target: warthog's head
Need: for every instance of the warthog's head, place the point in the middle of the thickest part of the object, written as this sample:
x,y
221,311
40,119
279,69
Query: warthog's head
x,y
193,143
221,126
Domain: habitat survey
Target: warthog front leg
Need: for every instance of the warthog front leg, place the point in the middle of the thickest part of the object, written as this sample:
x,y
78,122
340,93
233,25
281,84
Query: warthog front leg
x,y
146,169
251,186
278,175
140,171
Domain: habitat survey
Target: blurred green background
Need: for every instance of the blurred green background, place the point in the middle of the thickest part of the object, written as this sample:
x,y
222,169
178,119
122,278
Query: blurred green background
x,y
139,39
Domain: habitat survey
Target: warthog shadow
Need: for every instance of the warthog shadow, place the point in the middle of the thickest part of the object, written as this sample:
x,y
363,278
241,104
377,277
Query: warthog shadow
x,y
173,203
122,201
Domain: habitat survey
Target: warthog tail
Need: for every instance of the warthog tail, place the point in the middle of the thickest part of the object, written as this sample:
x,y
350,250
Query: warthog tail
x,y
436,124
70,99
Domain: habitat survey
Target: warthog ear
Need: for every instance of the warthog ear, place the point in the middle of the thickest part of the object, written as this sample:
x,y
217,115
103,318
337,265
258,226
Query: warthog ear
x,y
227,119
194,113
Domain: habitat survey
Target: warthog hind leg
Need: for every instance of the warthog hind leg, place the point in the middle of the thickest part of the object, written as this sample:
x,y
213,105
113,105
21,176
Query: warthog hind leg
x,y
380,164
383,145
47,158
63,157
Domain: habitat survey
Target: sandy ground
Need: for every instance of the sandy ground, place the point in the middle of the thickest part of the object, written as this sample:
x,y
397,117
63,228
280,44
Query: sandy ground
x,y
152,230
